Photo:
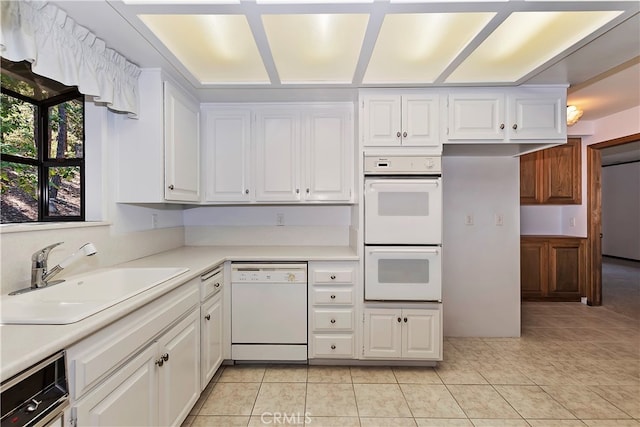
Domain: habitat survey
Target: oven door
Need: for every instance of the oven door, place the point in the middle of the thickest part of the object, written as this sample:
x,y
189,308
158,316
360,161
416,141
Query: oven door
x,y
403,273
403,211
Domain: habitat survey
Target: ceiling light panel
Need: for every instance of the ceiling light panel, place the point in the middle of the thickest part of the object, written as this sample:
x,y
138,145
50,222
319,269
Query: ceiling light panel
x,y
417,47
524,41
216,49
315,48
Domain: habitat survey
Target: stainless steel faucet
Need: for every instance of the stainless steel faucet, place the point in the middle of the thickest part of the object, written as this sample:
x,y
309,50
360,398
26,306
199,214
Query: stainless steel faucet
x,y
41,276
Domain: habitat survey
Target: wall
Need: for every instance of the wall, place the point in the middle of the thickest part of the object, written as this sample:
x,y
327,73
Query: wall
x,y
120,232
481,262
621,210
257,225
556,219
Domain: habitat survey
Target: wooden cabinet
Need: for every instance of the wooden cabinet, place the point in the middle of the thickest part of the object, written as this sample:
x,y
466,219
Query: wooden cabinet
x,y
227,153
552,268
552,175
401,119
518,115
332,311
394,333
158,152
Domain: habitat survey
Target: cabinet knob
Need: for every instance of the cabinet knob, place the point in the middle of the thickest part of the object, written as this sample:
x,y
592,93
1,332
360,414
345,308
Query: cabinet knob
x,y
515,126
333,346
160,362
405,320
308,191
399,320
297,191
398,134
501,125
246,191
333,320
333,277
208,317
333,297
404,134
165,357
216,285
171,187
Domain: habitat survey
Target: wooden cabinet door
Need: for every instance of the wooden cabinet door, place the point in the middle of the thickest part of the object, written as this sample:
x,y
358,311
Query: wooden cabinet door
x,y
326,155
566,268
182,145
531,179
227,147
211,338
420,124
127,398
421,332
382,120
277,155
533,269
562,169
382,333
478,115
179,375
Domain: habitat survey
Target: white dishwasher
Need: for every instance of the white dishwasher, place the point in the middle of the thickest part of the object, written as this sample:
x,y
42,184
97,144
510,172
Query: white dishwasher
x,y
269,312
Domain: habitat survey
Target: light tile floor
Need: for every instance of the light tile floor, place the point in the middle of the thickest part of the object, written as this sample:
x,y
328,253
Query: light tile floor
x,y
574,365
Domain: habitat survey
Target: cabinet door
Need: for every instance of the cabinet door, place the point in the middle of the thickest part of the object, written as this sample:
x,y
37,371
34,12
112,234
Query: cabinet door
x,y
531,178
536,116
476,116
277,156
182,145
327,156
534,270
421,334
382,333
420,120
566,267
562,169
381,120
227,150
179,375
127,398
211,338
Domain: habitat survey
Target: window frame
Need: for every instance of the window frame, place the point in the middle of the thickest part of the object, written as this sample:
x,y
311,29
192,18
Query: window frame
x,y
43,162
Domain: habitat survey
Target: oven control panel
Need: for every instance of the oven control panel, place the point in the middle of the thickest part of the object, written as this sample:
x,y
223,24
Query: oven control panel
x,y
402,165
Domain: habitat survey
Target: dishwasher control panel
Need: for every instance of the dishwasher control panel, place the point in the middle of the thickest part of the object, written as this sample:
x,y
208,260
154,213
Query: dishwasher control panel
x,y
269,273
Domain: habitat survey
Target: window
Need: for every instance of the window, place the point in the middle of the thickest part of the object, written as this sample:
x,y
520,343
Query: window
x,y
42,154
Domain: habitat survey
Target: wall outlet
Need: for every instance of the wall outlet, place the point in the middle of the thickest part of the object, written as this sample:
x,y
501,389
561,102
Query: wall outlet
x,y
499,219
279,219
572,221
468,219
154,220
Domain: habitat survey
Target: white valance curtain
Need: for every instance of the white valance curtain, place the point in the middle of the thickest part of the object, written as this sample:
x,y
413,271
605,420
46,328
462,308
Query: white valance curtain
x,y
62,50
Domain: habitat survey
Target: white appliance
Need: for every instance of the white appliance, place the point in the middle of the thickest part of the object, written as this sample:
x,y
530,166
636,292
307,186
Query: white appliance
x,y
269,312
403,273
403,228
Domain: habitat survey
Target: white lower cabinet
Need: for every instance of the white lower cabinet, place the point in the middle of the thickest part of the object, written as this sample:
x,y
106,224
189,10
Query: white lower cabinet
x,y
211,338
396,333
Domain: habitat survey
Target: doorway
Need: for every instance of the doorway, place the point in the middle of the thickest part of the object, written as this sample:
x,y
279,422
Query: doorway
x,y
594,216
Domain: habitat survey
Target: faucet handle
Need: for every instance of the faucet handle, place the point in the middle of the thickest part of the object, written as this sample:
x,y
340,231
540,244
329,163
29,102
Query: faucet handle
x,y
42,254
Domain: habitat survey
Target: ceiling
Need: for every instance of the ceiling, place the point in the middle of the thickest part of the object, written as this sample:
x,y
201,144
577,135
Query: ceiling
x,y
283,50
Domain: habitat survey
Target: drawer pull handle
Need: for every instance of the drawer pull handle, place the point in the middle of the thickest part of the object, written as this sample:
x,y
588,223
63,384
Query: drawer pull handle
x,y
333,297
333,346
208,317
333,277
333,320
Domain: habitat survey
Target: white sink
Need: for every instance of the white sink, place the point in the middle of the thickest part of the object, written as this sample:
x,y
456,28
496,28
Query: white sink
x,y
81,296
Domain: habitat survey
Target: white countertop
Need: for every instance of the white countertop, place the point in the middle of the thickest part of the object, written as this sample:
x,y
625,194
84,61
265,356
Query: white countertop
x,y
23,345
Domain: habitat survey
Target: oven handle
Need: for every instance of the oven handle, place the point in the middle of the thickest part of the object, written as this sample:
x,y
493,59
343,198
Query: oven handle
x,y
404,251
389,182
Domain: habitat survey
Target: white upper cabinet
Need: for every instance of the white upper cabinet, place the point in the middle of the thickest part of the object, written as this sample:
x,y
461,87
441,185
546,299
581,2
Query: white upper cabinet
x,y
182,145
278,155
227,153
523,114
391,120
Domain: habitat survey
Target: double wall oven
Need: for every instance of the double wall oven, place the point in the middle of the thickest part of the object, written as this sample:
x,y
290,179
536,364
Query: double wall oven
x,y
403,228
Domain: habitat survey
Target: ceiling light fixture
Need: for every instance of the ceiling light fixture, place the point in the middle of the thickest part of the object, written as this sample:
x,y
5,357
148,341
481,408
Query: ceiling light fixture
x,y
573,115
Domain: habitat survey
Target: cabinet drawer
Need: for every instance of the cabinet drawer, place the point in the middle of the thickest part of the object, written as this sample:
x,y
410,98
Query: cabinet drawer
x,y
339,346
211,282
333,276
332,320
93,358
332,296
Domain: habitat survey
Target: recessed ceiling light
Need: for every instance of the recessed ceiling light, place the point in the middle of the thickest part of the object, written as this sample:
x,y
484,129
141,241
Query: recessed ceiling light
x,y
214,48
